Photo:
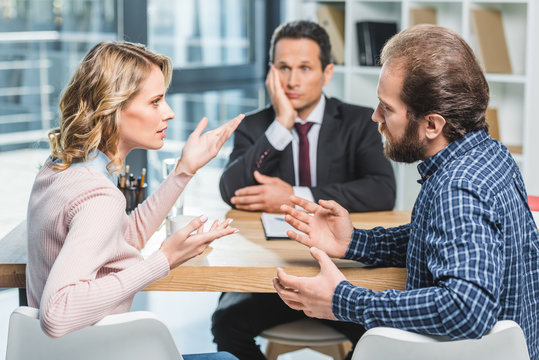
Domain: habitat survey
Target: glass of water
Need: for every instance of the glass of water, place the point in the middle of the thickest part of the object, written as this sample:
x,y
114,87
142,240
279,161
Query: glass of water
x,y
168,166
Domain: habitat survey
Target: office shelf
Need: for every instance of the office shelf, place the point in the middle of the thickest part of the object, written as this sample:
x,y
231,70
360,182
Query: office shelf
x,y
512,94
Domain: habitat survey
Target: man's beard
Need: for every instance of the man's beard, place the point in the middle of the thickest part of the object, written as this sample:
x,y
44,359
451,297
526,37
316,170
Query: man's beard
x,y
409,148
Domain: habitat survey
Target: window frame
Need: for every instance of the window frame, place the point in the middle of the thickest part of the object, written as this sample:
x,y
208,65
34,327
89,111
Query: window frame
x,y
133,26
266,15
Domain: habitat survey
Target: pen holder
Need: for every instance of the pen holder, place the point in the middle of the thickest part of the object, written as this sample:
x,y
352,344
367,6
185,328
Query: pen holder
x,y
134,195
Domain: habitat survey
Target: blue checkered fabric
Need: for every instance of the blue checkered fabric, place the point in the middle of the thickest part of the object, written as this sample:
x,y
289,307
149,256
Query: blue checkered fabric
x,y
471,251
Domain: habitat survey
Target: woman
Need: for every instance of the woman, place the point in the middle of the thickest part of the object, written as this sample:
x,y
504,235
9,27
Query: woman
x,y
84,259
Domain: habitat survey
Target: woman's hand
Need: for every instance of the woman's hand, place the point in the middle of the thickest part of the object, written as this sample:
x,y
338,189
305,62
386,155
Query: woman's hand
x,y
201,148
191,240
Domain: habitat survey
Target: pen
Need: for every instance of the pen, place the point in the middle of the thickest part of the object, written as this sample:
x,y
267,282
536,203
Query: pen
x,y
122,177
142,178
131,180
141,185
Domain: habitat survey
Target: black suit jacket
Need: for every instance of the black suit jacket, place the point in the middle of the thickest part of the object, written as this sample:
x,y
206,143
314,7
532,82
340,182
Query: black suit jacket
x,y
351,166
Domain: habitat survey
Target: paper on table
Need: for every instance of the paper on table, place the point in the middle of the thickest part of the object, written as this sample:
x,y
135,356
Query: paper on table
x,y
275,226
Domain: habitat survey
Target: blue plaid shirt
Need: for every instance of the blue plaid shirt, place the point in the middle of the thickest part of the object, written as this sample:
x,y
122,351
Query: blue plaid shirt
x,y
471,251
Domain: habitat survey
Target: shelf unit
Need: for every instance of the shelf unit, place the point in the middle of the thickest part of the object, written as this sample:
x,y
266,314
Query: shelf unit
x,y
512,94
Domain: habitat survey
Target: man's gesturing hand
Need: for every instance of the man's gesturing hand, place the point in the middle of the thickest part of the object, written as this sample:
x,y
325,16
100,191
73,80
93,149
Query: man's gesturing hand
x,y
329,228
312,295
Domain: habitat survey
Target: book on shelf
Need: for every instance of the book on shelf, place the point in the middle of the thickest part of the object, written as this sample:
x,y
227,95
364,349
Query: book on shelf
x,y
491,116
423,16
371,37
331,18
514,149
488,27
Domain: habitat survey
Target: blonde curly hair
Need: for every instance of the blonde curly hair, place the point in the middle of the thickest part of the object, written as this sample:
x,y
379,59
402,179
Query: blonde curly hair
x,y
108,77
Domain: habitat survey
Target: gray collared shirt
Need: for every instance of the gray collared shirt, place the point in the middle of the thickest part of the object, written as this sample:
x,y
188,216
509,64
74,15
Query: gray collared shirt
x,y
98,163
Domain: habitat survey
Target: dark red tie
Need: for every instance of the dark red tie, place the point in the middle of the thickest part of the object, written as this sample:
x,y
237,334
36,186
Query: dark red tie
x,y
304,163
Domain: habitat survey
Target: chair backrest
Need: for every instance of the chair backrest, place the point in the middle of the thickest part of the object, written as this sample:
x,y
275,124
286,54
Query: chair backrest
x,y
505,341
133,335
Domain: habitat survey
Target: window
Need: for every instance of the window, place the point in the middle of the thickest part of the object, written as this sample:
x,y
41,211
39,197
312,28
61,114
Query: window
x,y
202,33
218,48
41,43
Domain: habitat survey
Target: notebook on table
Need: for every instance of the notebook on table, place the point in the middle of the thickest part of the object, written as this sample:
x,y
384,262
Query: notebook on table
x,y
275,226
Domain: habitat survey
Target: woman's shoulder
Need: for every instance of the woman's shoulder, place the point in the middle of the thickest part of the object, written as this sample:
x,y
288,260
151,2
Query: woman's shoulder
x,y
75,182
61,194
92,190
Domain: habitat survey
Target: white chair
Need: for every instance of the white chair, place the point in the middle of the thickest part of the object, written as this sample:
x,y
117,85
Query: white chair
x,y
134,335
505,341
305,333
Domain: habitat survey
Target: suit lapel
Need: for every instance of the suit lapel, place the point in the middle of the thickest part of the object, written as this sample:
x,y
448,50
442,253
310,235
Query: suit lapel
x,y
287,166
286,163
328,130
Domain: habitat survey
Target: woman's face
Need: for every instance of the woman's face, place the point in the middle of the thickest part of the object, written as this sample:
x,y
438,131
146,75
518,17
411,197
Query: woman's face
x,y
144,120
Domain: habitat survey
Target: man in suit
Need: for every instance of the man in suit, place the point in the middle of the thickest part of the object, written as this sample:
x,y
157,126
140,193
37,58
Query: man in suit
x,y
343,160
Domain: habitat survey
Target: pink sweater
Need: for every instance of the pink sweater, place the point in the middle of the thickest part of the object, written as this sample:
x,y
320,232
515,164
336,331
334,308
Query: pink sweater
x,y
84,259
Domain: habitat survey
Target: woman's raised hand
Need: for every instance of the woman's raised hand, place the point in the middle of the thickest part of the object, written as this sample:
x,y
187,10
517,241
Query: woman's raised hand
x,y
201,148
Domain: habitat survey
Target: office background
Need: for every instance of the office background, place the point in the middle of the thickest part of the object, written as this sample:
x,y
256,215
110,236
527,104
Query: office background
x,y
219,52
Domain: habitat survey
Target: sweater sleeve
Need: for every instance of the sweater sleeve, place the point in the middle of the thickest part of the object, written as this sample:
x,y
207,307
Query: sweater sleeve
x,y
146,218
82,288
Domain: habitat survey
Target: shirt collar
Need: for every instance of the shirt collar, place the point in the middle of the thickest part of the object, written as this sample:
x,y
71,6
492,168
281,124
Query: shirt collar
x,y
317,114
451,151
99,164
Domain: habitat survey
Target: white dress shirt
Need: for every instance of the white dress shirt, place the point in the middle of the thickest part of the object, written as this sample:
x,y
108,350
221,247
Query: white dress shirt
x,y
279,137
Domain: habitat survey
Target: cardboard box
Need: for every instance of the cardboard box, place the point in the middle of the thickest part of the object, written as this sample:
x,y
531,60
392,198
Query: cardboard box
x,y
488,28
423,16
331,19
491,116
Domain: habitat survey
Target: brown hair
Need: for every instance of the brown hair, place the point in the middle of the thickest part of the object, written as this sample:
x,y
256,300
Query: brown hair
x,y
108,77
442,76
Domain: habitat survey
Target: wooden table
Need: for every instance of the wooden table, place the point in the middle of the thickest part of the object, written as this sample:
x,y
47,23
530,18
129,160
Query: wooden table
x,y
242,262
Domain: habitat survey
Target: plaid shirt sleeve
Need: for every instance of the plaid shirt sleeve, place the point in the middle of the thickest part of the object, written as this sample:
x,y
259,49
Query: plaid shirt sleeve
x,y
379,246
463,268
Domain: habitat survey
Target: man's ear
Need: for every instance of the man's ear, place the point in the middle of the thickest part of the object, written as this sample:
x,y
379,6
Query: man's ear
x,y
328,73
434,124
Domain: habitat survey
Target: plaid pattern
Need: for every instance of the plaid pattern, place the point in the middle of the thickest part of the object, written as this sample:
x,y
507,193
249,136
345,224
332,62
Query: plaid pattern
x,y
471,251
